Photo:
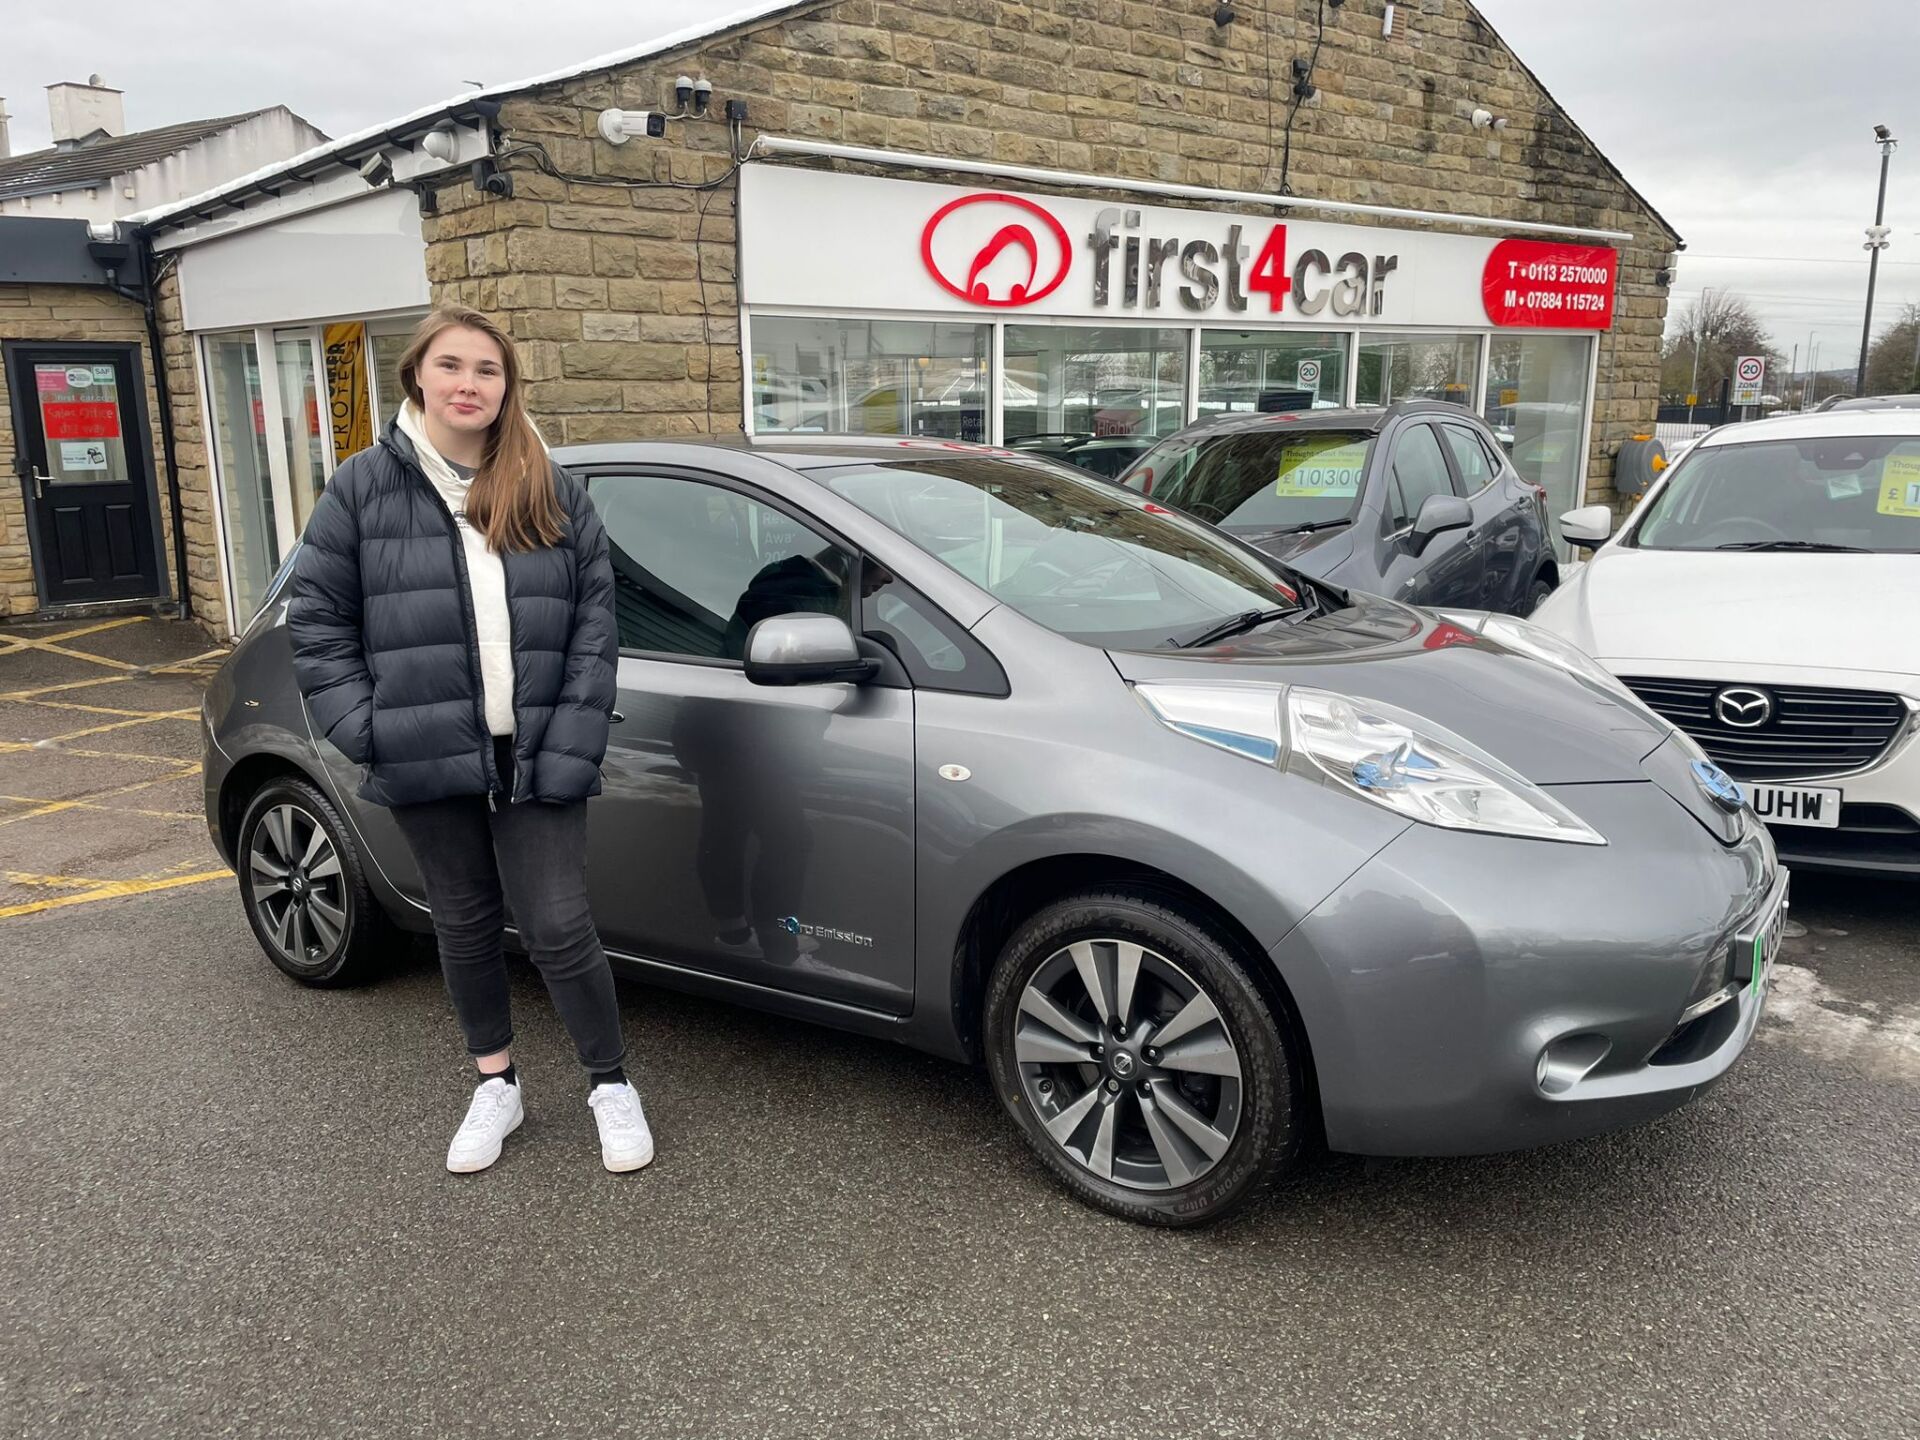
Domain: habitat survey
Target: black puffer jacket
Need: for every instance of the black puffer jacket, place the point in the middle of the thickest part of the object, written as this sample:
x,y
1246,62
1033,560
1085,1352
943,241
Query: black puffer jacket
x,y
386,653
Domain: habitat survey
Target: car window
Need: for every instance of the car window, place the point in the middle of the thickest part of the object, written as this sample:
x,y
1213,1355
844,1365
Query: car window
x,y
937,652
1477,471
1071,552
1857,492
1419,470
1271,478
695,565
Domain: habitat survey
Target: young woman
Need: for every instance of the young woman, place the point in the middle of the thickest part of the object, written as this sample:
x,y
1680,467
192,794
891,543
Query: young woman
x,y
453,634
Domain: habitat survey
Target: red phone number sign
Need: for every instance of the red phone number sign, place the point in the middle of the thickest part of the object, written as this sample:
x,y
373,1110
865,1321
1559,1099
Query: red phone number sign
x,y
1541,284
81,419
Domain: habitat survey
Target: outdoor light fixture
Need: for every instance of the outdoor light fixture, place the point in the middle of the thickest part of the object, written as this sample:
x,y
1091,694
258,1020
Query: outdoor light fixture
x,y
376,169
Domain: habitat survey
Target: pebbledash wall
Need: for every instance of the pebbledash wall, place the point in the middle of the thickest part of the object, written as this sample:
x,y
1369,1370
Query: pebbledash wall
x,y
621,284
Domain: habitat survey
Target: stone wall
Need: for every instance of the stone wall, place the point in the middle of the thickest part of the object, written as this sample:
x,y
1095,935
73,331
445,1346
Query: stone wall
x,y
603,285
66,313
193,472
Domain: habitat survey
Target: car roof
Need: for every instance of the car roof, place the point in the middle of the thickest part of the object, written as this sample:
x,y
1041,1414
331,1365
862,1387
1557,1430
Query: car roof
x,y
1879,402
796,452
1371,418
1817,425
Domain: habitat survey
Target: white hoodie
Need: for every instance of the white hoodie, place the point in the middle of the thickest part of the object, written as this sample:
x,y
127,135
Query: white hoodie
x,y
486,576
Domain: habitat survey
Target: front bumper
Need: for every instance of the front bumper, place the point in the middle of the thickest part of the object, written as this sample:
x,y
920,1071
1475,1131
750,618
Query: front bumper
x,y
1432,983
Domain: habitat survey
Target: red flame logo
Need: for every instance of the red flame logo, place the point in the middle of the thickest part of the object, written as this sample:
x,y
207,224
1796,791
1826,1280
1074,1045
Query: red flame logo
x,y
1014,236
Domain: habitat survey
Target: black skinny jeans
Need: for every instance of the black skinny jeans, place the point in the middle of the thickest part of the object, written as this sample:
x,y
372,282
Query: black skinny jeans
x,y
475,862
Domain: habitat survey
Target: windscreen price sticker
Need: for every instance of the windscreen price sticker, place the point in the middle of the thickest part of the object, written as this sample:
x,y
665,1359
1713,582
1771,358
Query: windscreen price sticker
x,y
1900,487
1330,469
1748,373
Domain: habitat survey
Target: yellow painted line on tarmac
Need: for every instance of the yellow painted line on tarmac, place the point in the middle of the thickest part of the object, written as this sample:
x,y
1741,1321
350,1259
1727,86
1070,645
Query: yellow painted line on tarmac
x,y
47,747
16,643
91,709
66,685
117,725
55,882
113,890
91,802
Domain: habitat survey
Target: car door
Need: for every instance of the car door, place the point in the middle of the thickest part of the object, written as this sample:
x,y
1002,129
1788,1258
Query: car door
x,y
1497,532
1447,571
760,833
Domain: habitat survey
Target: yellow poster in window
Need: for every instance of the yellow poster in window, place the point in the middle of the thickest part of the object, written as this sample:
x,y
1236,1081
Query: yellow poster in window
x,y
1900,486
1328,466
347,396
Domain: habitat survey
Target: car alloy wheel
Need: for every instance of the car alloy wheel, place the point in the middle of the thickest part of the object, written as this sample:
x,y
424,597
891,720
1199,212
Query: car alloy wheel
x,y
298,888
1128,1064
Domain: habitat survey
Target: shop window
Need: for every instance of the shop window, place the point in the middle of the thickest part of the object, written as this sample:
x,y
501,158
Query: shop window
x,y
1070,380
309,447
869,377
695,566
1416,367
387,350
1271,370
1536,408
246,484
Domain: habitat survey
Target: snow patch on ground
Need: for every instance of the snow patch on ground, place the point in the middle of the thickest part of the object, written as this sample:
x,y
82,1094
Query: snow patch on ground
x,y
1880,1038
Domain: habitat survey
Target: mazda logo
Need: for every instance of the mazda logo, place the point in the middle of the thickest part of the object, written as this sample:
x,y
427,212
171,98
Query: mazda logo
x,y
996,249
1742,708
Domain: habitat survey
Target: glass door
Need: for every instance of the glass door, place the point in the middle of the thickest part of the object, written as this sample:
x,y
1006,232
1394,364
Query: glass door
x,y
308,447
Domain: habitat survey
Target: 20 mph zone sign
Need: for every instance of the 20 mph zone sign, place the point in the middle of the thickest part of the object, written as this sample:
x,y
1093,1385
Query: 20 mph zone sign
x,y
1748,373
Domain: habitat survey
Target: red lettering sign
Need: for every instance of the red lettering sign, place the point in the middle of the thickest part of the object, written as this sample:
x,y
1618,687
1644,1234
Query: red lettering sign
x,y
1550,285
81,419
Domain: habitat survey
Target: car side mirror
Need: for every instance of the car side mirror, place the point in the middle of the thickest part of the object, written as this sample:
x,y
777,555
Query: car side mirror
x,y
805,649
1438,514
1588,527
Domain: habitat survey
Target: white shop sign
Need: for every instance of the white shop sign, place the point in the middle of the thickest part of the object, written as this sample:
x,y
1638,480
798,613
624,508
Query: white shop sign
x,y
846,243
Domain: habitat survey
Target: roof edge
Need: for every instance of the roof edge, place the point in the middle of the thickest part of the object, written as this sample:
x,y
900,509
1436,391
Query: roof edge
x,y
1527,70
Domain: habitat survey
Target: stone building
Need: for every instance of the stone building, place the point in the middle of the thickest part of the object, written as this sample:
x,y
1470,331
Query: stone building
x,y
979,219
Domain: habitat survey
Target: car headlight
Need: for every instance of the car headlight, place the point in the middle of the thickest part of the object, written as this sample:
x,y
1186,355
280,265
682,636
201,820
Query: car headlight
x,y
1537,642
1380,753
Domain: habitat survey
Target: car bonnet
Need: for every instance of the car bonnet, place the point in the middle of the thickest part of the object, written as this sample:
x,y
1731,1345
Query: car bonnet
x,y
1549,726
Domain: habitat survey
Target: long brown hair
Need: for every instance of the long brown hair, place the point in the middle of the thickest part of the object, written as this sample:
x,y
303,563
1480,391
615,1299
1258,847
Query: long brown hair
x,y
512,501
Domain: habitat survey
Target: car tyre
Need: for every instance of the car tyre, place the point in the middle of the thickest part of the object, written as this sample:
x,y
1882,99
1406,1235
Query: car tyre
x,y
304,888
1184,1147
1537,594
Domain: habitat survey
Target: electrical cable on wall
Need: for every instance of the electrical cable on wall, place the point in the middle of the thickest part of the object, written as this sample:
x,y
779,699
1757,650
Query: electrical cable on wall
x,y
1302,89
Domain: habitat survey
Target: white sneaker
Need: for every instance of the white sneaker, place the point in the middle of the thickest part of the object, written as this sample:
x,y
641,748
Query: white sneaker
x,y
625,1141
494,1114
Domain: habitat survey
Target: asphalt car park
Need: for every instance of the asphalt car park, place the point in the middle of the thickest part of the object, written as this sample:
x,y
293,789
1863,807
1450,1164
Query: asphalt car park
x,y
227,1211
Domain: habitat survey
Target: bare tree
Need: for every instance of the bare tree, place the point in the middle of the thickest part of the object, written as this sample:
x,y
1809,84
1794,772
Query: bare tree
x,y
1722,323
1893,364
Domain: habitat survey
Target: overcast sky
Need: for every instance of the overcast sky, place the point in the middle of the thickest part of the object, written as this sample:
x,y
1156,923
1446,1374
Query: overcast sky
x,y
1747,123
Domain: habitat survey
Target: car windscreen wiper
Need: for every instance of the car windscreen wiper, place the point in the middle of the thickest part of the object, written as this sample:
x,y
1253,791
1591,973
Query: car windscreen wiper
x,y
1232,625
1792,545
1306,527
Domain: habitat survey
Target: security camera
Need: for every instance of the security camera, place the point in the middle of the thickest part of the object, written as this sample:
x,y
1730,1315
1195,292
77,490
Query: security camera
x,y
490,179
376,169
1223,16
683,91
1882,133
441,143
702,95
619,126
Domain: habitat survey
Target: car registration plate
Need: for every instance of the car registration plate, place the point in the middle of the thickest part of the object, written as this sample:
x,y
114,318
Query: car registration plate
x,y
1795,805
1757,945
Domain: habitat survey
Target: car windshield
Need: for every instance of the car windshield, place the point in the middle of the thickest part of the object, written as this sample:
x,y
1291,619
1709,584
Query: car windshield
x,y
1258,481
1074,554
1853,492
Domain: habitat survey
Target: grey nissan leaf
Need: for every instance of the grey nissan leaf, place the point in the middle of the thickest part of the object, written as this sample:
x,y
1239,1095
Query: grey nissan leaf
x,y
1199,856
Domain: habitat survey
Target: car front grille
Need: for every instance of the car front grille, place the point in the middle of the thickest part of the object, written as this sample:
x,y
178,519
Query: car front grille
x,y
1807,734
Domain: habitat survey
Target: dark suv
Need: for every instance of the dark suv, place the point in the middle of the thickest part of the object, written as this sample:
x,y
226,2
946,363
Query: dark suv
x,y
1414,501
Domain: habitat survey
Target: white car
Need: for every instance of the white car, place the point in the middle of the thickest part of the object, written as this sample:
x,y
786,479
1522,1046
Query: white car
x,y
1765,598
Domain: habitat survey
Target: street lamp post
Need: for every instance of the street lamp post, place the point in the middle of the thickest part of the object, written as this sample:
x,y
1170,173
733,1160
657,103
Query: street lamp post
x,y
1699,319
1876,242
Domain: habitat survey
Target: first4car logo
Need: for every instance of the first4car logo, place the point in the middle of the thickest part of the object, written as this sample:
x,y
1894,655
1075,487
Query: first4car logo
x,y
1005,251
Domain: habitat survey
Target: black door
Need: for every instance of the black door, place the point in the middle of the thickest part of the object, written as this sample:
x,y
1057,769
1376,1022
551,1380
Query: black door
x,y
83,457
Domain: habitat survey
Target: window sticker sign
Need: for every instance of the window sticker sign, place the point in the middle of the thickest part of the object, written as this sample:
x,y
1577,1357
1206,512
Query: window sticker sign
x,y
83,454
1327,468
80,419
1900,487
1308,375
80,377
